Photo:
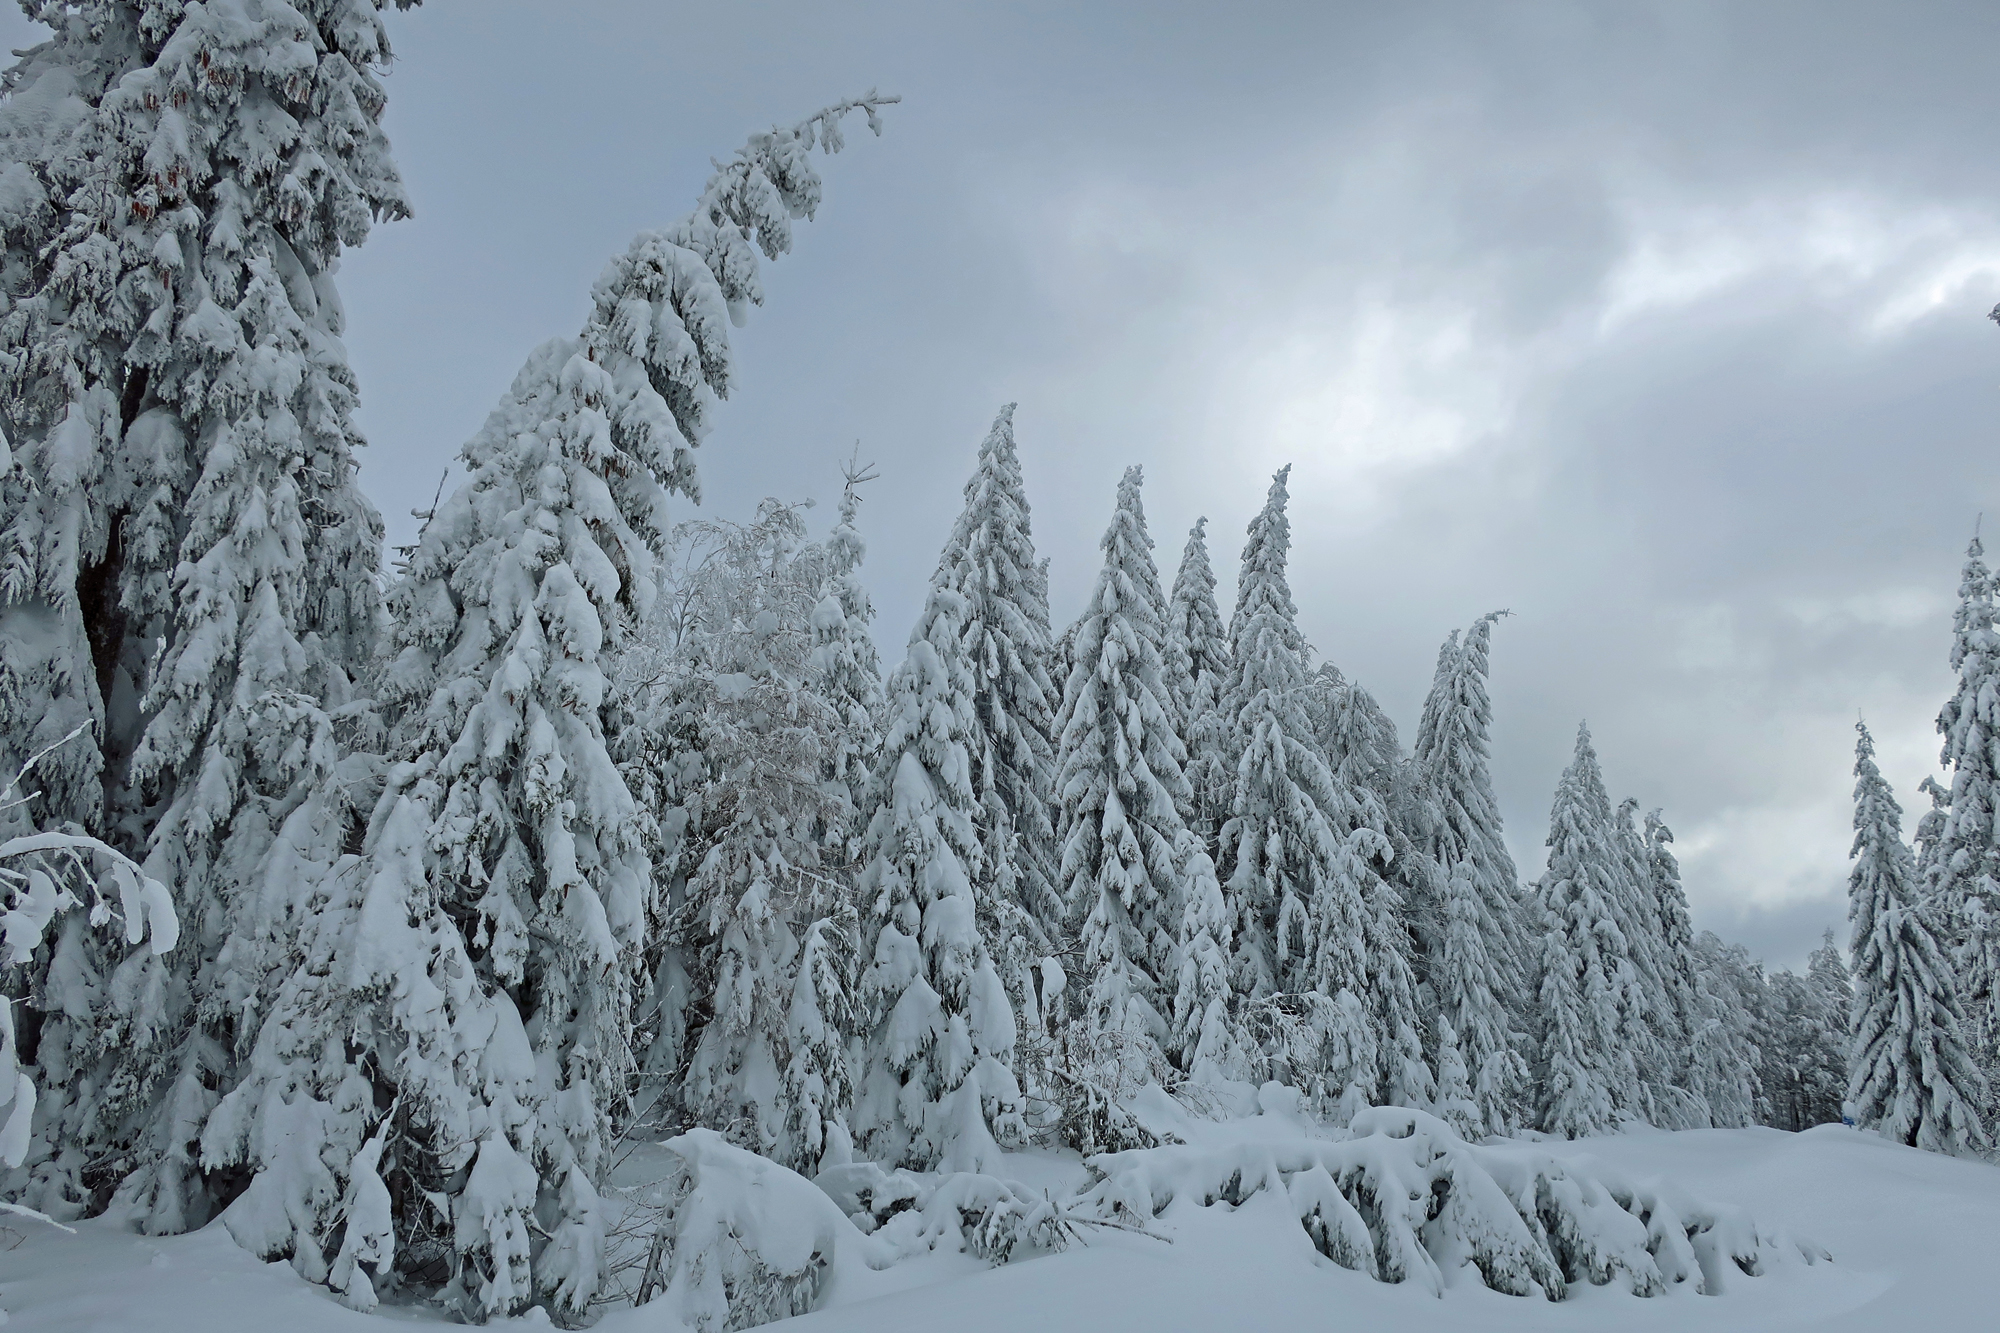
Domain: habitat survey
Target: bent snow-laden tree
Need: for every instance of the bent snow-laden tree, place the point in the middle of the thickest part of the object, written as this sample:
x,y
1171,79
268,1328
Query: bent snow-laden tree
x,y
494,912
1909,1072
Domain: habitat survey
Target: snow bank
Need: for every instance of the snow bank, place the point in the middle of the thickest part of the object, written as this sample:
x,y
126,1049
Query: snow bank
x,y
1402,1198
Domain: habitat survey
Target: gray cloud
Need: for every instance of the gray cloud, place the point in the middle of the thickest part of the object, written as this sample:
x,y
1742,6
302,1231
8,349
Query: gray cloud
x,y
1659,324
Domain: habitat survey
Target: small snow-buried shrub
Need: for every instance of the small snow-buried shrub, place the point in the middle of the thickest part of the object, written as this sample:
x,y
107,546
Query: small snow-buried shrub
x,y
1404,1199
744,1241
993,1219
738,1240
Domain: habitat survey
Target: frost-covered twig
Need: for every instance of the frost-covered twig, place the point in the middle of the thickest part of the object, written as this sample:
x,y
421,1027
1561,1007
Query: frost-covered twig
x,y
19,1211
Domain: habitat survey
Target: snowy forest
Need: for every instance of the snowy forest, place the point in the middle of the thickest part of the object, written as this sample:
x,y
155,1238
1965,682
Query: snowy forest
x,y
576,909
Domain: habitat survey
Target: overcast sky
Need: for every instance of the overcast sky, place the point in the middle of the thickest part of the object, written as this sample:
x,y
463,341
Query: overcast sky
x,y
1661,326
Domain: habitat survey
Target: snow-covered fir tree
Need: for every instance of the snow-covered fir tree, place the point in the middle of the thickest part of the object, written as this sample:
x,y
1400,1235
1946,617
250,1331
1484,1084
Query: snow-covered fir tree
x,y
504,810
1724,1056
1277,847
186,562
990,559
1204,1036
1196,638
1663,881
1587,1074
934,1086
1475,959
1909,1072
1961,869
1120,789
1659,1039
1297,880
1369,772
844,654
1804,1070
1194,621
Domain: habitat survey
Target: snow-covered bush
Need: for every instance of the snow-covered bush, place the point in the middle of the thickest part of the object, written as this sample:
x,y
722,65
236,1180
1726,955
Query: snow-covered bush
x,y
1403,1198
912,1212
43,875
743,1241
737,1240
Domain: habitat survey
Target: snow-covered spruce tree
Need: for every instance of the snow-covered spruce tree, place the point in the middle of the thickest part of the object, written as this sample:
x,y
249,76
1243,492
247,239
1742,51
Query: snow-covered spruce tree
x,y
1804,1070
184,535
844,657
1196,638
1909,1074
1725,1054
1663,881
495,913
1359,742
1203,1033
1297,881
1831,986
1659,1037
990,559
933,1084
1961,870
1587,1075
1120,789
1198,646
1476,953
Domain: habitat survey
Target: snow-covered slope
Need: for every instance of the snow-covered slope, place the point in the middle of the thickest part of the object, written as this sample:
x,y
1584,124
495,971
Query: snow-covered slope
x,y
1912,1235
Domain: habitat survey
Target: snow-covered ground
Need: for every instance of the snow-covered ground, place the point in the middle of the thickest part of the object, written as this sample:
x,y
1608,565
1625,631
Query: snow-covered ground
x,y
1914,1238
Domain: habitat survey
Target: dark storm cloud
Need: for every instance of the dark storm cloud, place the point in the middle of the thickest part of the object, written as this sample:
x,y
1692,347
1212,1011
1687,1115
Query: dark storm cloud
x,y
1659,325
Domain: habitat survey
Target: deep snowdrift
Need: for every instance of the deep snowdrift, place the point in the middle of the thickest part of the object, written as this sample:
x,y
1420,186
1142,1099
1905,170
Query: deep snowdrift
x,y
1912,1236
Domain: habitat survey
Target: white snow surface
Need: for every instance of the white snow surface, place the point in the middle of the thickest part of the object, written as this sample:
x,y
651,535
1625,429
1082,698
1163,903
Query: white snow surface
x,y
1911,1233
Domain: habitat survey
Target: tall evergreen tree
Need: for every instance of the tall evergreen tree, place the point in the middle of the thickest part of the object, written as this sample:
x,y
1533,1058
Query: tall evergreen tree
x,y
1726,1051
934,1082
1194,622
844,655
1658,1039
1588,1075
990,560
1196,638
1909,1074
1121,788
1300,854
1804,1071
1359,742
1961,871
186,563
1477,946
1278,846
506,864
1663,877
